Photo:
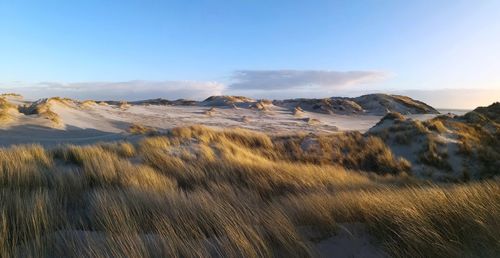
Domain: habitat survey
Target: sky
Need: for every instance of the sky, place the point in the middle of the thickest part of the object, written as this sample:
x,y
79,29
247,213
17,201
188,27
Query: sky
x,y
444,52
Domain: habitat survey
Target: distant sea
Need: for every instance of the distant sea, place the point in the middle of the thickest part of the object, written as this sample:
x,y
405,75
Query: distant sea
x,y
453,111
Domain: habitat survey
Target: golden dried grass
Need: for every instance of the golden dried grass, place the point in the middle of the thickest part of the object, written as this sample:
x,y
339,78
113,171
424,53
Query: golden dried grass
x,y
233,193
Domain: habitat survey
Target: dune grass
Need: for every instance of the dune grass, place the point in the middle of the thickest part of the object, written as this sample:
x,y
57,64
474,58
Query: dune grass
x,y
45,111
86,104
474,138
232,193
141,129
7,110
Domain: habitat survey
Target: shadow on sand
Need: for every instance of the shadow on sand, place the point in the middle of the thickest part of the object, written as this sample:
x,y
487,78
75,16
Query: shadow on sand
x,y
50,137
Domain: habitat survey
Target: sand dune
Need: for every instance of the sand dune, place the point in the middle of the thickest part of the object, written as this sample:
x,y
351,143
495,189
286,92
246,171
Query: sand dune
x,y
371,104
447,147
55,121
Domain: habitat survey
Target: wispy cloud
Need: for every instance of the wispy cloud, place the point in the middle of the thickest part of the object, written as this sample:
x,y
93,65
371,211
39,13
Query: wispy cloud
x,y
130,90
300,79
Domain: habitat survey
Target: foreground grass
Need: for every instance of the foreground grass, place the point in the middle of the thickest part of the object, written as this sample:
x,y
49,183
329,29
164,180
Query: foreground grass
x,y
200,192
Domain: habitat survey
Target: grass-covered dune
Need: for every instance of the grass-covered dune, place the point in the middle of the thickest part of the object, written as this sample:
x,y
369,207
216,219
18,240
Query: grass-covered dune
x,y
233,193
446,147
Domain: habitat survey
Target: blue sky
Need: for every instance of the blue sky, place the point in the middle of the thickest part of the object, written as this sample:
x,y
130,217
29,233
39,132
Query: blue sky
x,y
308,48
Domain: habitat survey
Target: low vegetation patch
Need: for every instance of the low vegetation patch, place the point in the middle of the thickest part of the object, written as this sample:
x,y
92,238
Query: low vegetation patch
x,y
210,112
432,154
87,103
472,139
10,94
123,105
262,105
141,129
298,111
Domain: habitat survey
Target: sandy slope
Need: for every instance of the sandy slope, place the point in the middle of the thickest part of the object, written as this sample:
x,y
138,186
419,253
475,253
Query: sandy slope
x,y
82,124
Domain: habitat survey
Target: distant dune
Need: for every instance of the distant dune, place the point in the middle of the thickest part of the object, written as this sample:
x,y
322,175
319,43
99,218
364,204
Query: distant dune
x,y
373,104
436,146
58,120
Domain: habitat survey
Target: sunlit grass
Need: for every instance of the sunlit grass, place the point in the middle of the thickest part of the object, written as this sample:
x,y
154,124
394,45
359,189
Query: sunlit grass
x,y
8,110
233,193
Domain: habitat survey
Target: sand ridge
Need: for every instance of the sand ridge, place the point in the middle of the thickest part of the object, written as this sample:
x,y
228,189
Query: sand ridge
x,y
54,121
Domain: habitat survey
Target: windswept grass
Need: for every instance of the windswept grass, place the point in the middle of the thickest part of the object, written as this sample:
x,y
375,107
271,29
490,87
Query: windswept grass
x,y
481,143
433,221
433,155
7,110
141,129
351,150
232,193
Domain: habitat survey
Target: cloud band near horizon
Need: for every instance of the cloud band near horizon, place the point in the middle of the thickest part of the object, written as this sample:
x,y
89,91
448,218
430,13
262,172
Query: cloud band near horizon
x,y
301,79
129,90
243,82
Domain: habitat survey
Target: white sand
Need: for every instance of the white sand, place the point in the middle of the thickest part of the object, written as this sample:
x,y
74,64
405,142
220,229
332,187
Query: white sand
x,y
92,123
